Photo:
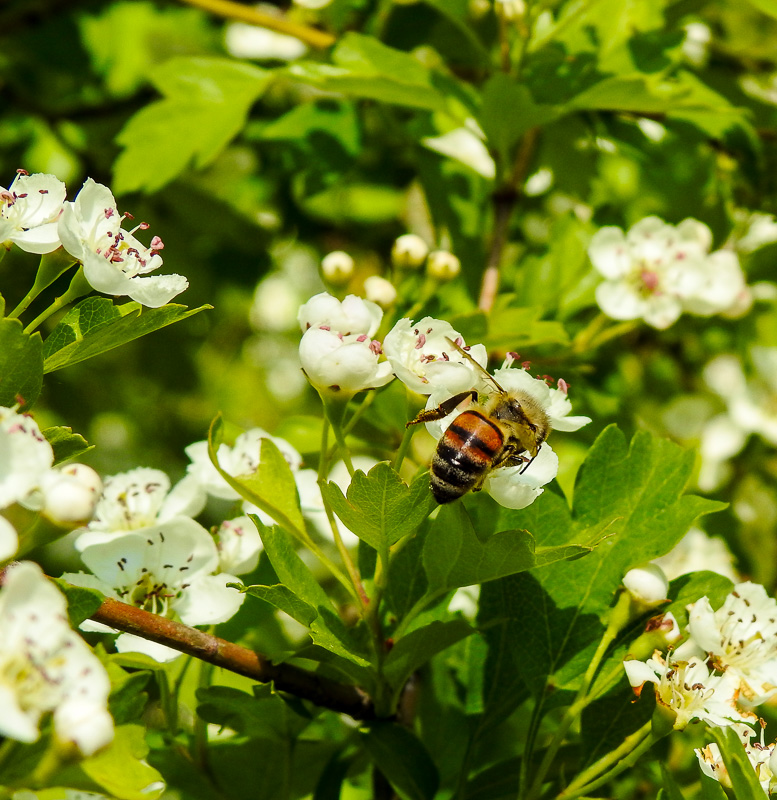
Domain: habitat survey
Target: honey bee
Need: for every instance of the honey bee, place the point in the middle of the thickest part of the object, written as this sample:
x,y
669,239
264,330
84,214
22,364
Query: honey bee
x,y
506,430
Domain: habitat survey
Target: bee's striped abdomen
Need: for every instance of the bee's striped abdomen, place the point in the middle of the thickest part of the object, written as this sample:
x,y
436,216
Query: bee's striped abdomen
x,y
464,455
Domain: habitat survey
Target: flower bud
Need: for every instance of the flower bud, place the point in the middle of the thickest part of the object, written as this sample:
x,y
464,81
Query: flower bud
x,y
409,252
379,290
70,494
337,267
647,586
442,266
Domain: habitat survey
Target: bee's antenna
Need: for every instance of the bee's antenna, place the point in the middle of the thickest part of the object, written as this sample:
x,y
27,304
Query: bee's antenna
x,y
484,372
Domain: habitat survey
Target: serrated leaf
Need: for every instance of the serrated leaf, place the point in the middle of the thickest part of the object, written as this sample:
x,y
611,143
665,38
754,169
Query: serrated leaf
x,y
81,603
209,98
744,780
121,770
96,325
413,650
271,488
283,598
380,507
327,628
630,497
454,556
21,364
65,443
402,758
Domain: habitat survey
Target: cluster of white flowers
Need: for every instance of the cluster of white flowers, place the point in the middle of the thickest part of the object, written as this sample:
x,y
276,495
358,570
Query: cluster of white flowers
x,y
750,408
725,667
421,356
657,271
36,218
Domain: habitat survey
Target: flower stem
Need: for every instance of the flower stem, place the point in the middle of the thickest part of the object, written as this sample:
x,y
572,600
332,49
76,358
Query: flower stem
x,y
51,266
79,287
611,765
244,13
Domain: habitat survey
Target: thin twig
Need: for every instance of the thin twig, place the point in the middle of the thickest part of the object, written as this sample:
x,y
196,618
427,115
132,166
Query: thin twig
x,y
323,692
243,13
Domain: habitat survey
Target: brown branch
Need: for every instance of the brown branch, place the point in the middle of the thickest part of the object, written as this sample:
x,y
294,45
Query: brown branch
x,y
505,201
307,685
244,13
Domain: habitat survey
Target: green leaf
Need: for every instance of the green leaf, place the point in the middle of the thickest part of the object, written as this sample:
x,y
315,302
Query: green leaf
x,y
209,98
271,487
670,787
380,507
21,364
264,717
96,325
416,648
81,603
630,497
364,67
497,782
768,7
403,760
65,443
744,780
283,598
327,628
513,327
121,770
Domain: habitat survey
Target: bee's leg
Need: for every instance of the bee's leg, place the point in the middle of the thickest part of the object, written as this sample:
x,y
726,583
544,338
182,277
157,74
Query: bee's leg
x,y
443,409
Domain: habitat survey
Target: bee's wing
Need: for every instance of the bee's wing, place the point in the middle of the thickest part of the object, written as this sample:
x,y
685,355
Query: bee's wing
x,y
484,372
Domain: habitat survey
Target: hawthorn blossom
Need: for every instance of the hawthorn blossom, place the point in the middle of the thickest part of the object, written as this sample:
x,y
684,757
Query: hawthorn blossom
x,y
29,210
46,668
760,755
338,267
689,689
9,540
656,271
242,458
141,500
696,552
741,638
239,545
424,360
169,572
409,251
25,456
342,365
66,495
114,261
647,585
353,315
379,290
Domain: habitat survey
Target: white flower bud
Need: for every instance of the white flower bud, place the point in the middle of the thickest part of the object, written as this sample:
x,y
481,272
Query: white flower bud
x,y
70,494
409,252
647,585
379,290
442,265
337,267
352,315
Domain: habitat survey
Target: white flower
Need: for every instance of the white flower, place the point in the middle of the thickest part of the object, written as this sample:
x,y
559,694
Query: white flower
x,y
379,290
29,210
337,267
138,500
115,262
520,486
696,552
167,572
656,271
409,251
442,265
239,545
689,689
45,667
249,41
760,756
25,456
70,494
741,637
342,364
351,316
647,585
242,458
424,360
